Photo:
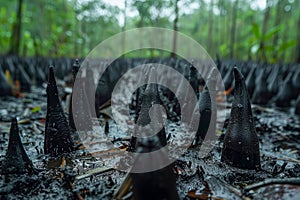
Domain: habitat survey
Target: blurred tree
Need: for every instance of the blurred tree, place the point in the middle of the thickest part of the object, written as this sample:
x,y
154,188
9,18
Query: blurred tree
x,y
152,13
237,29
233,27
175,28
262,44
124,26
278,16
16,32
210,26
298,39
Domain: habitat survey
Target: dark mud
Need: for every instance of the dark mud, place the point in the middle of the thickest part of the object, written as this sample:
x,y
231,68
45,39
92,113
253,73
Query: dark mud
x,y
70,176
83,174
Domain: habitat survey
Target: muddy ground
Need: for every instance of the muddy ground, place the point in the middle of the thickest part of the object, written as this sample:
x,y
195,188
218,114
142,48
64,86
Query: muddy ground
x,y
70,176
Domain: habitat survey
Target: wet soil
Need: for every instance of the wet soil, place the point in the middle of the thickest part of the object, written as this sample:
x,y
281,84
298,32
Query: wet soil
x,y
70,176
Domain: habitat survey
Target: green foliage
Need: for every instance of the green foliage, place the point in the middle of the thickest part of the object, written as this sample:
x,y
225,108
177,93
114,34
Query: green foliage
x,y
255,42
69,28
6,23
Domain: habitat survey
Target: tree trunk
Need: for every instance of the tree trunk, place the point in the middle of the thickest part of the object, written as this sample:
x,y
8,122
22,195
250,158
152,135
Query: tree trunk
x,y
15,39
210,27
75,34
221,8
36,47
124,28
175,28
264,30
233,28
277,23
83,32
285,35
298,40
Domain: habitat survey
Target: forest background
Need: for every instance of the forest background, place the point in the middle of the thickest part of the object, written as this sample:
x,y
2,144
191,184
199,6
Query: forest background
x,y
261,30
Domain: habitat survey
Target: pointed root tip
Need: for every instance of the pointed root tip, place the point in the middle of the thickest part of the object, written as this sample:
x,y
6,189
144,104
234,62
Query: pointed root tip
x,y
14,124
51,69
213,74
14,120
152,74
76,63
51,77
237,74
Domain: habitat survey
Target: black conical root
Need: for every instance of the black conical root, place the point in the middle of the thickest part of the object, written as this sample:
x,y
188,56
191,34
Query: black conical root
x,y
57,132
75,68
106,128
16,160
297,106
205,107
250,81
81,111
285,94
241,145
160,184
80,104
261,94
150,97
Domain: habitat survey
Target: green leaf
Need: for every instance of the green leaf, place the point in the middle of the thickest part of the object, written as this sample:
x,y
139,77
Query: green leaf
x,y
36,109
269,48
218,132
27,35
287,45
224,50
270,33
256,30
3,13
59,29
